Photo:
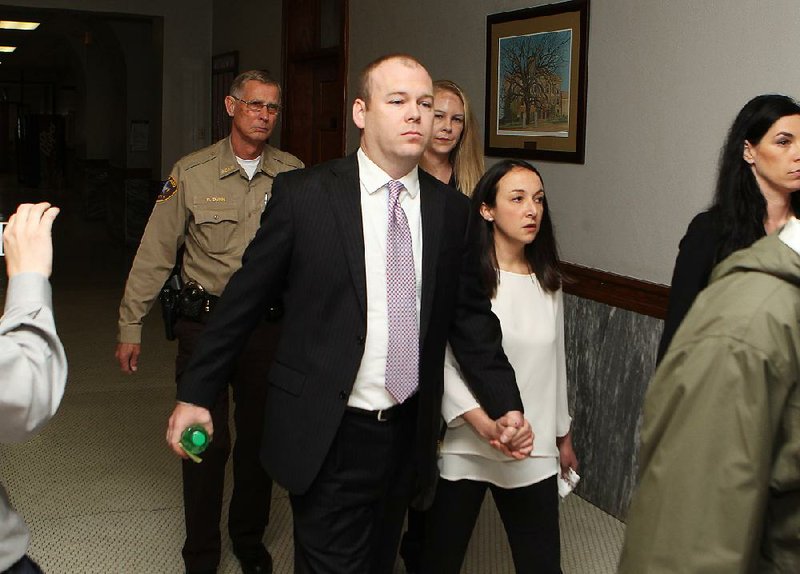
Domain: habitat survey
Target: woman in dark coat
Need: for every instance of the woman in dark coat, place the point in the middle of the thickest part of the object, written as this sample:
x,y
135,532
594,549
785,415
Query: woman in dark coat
x,y
758,175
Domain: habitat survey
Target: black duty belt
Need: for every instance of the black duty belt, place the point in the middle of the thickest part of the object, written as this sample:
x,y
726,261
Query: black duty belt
x,y
196,304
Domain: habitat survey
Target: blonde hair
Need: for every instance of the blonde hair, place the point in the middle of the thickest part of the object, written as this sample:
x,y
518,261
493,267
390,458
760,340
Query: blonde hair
x,y
467,156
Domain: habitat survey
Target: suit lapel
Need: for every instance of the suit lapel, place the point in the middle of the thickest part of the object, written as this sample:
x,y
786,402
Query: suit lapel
x,y
346,208
432,203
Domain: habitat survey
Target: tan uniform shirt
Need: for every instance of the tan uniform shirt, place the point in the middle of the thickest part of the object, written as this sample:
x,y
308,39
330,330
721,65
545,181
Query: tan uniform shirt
x,y
209,205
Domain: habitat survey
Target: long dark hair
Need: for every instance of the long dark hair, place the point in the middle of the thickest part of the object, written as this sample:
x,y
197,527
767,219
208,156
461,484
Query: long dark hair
x,y
541,253
739,208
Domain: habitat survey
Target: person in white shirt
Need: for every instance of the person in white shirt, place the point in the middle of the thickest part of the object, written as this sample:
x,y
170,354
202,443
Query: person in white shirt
x,y
520,270
33,368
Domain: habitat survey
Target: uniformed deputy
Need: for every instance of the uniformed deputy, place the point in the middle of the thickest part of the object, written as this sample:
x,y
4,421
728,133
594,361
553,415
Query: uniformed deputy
x,y
211,205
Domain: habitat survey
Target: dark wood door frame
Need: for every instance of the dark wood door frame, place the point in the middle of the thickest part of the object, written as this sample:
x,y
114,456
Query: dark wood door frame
x,y
315,38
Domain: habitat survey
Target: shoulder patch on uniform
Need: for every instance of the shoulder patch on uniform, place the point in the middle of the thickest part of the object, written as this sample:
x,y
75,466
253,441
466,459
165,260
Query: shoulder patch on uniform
x,y
168,190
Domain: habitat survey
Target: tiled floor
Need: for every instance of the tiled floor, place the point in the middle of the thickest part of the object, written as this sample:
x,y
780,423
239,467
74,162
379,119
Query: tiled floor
x,y
100,490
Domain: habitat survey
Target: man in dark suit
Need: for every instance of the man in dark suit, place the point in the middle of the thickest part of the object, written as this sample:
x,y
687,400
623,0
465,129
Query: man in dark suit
x,y
368,255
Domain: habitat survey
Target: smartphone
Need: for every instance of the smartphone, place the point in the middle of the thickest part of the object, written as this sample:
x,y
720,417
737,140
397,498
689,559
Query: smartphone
x,y
2,229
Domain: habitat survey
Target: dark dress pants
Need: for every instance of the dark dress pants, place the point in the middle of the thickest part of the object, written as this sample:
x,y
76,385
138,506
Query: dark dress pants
x,y
203,483
413,539
529,515
349,521
24,566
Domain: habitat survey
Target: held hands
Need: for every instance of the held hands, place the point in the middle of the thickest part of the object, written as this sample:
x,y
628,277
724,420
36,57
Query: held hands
x,y
511,434
516,435
27,240
183,416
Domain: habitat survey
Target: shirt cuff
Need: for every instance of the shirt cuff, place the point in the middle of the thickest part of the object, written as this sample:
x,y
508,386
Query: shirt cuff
x,y
130,334
29,287
563,426
452,410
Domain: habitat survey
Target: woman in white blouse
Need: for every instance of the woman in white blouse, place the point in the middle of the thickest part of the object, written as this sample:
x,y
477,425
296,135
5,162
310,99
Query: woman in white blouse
x,y
520,271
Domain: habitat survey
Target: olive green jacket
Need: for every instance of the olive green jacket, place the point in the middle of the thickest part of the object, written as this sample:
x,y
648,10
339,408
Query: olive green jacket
x,y
719,487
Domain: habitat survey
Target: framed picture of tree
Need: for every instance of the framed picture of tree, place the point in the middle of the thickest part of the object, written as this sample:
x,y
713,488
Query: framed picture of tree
x,y
536,82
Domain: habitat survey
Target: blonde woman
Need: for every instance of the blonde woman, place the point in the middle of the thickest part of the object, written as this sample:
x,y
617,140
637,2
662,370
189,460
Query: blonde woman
x,y
455,154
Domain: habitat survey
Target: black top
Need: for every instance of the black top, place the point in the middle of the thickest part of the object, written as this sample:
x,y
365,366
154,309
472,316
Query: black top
x,y
696,258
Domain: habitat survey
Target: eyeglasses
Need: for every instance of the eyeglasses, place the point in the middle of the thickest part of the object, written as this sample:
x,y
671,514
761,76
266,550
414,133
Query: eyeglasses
x,y
256,106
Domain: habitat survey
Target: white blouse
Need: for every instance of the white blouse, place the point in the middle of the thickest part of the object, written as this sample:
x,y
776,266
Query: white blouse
x,y
533,340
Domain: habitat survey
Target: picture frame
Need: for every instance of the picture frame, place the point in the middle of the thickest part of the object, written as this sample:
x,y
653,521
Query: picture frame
x,y
536,82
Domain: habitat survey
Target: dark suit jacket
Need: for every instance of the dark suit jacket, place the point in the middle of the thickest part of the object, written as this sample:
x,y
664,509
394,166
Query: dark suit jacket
x,y
310,252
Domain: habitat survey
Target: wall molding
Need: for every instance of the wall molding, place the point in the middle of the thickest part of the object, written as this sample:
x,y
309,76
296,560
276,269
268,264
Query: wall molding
x,y
616,290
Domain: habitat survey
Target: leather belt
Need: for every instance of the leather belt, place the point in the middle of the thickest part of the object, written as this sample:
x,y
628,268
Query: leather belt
x,y
384,415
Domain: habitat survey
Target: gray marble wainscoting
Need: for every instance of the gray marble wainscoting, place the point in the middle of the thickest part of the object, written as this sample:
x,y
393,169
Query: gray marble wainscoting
x,y
611,357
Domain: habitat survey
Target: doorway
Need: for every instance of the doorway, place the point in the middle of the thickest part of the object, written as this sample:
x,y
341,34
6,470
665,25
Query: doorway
x,y
80,115
315,70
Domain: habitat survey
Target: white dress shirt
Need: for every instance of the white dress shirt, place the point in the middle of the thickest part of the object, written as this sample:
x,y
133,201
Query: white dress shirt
x,y
369,391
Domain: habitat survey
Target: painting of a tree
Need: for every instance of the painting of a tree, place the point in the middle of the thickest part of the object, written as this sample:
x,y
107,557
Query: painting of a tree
x,y
536,82
533,91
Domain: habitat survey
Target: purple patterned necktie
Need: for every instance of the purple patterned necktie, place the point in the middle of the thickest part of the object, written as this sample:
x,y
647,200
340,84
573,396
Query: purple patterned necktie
x,y
402,358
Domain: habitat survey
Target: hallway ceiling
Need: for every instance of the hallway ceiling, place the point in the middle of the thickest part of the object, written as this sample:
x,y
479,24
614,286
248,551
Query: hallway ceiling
x,y
60,41
35,49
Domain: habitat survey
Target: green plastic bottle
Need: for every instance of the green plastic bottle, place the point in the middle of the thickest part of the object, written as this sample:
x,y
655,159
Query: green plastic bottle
x,y
194,440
